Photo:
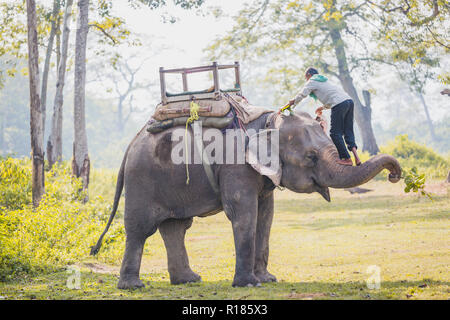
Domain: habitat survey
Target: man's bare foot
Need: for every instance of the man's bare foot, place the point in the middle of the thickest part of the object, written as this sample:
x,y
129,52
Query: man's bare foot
x,y
345,162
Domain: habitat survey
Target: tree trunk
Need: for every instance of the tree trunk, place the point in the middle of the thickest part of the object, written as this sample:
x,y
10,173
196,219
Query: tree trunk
x,y
58,44
81,162
48,55
430,123
363,114
448,177
36,130
54,144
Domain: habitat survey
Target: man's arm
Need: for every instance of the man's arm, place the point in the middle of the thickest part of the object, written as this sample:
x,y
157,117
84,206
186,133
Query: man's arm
x,y
307,89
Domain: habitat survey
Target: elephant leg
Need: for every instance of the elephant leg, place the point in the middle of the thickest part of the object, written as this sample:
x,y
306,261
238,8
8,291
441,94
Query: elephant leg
x,y
139,225
264,223
240,206
244,230
173,232
131,263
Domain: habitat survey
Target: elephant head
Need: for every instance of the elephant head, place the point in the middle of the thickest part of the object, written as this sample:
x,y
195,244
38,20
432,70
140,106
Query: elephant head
x,y
308,159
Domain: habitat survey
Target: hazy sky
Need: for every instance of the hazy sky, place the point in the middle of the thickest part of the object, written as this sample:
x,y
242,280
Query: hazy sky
x,y
173,45
192,33
188,36
181,44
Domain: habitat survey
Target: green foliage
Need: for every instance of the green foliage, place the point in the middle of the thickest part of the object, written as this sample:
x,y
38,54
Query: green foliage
x,y
302,33
15,183
414,34
412,154
110,30
155,4
415,182
13,33
341,38
59,232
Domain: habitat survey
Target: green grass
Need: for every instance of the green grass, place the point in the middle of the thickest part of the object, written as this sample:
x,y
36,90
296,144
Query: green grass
x,y
319,250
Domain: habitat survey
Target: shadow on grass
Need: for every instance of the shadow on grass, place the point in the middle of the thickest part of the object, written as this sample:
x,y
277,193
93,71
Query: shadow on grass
x,y
373,219
295,206
103,286
383,212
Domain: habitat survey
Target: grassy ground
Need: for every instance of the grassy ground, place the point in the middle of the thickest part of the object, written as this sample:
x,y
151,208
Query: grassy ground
x,y
319,250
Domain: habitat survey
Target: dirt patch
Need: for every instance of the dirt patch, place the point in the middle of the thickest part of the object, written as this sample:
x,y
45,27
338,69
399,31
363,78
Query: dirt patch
x,y
306,296
100,268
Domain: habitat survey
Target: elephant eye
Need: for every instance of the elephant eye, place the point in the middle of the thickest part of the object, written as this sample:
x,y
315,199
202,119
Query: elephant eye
x,y
312,157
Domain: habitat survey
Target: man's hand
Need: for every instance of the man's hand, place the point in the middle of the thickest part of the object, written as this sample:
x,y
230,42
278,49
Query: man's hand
x,y
292,102
319,111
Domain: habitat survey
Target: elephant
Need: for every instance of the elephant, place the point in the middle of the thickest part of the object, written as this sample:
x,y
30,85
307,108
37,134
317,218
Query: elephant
x,y
158,198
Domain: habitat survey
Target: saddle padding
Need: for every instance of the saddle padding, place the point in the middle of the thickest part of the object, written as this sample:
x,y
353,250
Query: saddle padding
x,y
211,122
208,108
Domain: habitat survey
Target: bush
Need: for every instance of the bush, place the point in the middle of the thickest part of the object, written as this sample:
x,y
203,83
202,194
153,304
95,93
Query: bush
x,y
57,233
15,183
412,154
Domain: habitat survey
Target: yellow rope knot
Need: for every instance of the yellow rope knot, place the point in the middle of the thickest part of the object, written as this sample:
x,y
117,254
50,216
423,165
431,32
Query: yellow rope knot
x,y
194,108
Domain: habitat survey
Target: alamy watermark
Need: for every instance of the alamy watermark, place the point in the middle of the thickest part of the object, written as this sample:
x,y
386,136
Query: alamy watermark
x,y
374,280
74,279
235,146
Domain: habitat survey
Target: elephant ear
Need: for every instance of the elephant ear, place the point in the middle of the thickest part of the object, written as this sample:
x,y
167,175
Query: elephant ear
x,y
263,154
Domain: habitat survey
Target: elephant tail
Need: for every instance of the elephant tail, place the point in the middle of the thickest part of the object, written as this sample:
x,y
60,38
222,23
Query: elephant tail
x,y
119,188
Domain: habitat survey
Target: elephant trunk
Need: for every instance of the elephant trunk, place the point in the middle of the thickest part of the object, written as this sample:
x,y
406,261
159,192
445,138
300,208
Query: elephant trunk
x,y
340,176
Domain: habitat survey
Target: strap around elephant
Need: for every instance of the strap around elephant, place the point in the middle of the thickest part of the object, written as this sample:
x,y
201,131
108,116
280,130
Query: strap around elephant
x,y
198,144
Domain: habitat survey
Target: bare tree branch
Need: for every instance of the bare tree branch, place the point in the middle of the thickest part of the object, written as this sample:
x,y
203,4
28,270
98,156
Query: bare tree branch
x,y
404,11
431,17
425,20
104,32
435,38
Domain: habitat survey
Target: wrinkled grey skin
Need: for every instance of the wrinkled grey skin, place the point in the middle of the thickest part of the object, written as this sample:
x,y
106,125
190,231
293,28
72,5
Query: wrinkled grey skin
x,y
157,197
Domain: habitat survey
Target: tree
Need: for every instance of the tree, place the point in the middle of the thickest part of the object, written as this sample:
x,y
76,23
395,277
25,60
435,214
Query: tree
x,y
416,77
128,76
54,144
80,162
13,36
36,130
303,33
53,30
425,18
13,33
414,34
124,81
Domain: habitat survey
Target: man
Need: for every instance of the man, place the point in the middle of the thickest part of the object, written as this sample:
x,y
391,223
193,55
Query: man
x,y
341,105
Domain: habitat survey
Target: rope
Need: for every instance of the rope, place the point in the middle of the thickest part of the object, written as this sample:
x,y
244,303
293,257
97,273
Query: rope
x,y
194,107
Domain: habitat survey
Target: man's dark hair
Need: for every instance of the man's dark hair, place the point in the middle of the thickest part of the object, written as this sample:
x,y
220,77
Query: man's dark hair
x,y
311,71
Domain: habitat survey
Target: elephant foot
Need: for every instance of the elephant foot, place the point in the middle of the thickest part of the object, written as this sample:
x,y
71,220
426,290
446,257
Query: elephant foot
x,y
130,283
265,276
246,281
184,277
